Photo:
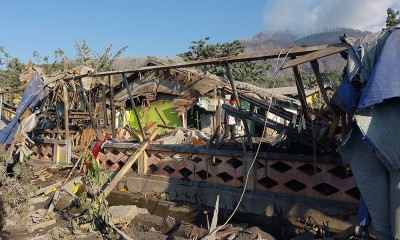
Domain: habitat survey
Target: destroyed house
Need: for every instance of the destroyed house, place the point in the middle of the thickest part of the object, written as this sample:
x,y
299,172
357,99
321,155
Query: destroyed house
x,y
296,169
170,98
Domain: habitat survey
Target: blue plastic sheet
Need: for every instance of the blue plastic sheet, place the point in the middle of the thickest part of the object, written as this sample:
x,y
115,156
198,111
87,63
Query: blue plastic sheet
x,y
384,82
348,95
31,98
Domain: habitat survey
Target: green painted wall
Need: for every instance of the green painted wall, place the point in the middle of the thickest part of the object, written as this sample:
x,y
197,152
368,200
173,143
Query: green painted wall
x,y
246,107
148,115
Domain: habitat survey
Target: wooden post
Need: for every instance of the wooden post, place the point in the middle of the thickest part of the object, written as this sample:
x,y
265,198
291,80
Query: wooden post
x,y
83,95
218,120
128,87
111,84
103,98
252,110
128,164
142,163
315,67
66,108
300,90
184,120
246,127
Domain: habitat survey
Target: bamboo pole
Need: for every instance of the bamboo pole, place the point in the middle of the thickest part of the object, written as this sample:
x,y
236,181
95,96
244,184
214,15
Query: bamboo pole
x,y
85,100
111,84
128,164
66,108
232,82
103,98
128,87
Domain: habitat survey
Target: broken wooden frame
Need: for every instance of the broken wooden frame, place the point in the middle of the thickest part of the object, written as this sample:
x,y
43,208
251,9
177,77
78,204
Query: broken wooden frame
x,y
301,55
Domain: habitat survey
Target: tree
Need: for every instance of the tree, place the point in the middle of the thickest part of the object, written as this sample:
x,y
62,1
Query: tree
x,y
392,19
9,76
100,62
44,61
253,72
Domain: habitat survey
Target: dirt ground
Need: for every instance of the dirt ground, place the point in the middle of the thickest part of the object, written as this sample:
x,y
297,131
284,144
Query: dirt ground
x,y
154,222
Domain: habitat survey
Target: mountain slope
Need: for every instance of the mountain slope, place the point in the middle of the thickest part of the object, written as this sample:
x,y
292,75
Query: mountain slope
x,y
283,40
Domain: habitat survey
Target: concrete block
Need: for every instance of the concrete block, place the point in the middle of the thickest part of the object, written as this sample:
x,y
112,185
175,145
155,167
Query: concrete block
x,y
125,214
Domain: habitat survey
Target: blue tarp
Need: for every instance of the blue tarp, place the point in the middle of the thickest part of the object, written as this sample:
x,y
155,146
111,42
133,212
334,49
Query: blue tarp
x,y
31,98
348,95
384,82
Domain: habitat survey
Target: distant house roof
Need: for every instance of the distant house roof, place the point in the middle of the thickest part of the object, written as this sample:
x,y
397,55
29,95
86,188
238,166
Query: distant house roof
x,y
183,85
171,81
292,91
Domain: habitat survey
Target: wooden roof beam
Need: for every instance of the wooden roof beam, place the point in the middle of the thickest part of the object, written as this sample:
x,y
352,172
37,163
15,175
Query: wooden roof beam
x,y
330,50
230,59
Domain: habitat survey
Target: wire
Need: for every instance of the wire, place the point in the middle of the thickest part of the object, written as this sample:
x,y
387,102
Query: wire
x,y
258,149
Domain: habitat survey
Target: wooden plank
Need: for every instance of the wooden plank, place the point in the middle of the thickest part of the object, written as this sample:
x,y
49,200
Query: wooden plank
x,y
77,113
111,84
149,126
301,93
333,127
128,164
257,118
48,188
316,55
41,225
315,67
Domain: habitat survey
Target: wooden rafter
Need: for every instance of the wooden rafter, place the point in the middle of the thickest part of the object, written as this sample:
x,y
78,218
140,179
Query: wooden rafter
x,y
330,50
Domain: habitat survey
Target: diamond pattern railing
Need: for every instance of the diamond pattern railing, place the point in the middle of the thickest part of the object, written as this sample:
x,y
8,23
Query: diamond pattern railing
x,y
324,180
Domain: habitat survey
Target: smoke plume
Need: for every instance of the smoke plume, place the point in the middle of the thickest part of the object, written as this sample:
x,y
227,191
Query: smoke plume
x,y
310,16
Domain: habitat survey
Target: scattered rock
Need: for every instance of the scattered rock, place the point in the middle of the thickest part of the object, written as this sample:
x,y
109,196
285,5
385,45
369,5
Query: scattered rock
x,y
35,227
38,199
70,186
64,201
125,214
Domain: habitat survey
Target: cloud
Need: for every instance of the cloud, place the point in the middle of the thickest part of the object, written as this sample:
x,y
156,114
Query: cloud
x,y
306,16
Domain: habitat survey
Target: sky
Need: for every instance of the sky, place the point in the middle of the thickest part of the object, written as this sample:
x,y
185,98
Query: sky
x,y
166,28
